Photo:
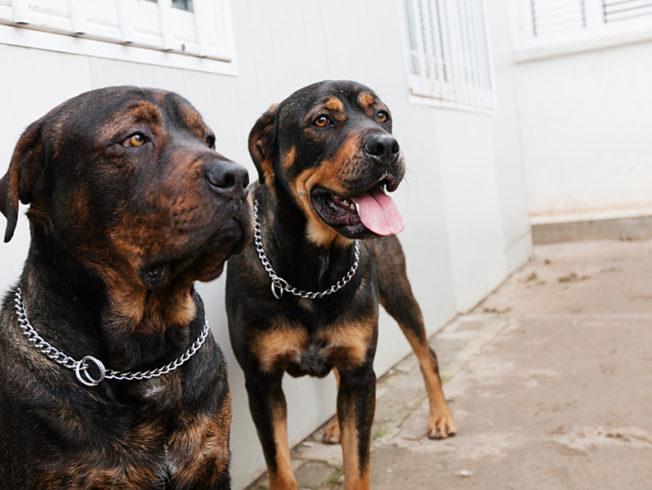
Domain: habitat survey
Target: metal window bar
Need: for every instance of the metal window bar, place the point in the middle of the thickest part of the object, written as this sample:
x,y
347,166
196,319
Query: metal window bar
x,y
421,41
483,49
426,34
474,48
434,33
413,47
471,34
461,87
465,52
440,38
450,90
417,27
448,52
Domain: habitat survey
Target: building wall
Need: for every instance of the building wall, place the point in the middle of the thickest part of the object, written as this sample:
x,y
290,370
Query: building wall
x,y
463,197
585,133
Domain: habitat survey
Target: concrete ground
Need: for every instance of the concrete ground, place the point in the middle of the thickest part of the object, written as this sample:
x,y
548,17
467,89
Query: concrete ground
x,y
549,380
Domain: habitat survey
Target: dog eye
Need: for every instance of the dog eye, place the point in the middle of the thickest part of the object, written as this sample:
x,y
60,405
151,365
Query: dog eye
x,y
136,139
382,116
210,141
322,121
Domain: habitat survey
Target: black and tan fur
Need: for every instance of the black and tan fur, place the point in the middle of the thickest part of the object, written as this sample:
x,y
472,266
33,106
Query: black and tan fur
x,y
301,157
129,205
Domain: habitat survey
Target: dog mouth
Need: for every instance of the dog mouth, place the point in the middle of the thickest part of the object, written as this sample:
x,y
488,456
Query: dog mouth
x,y
203,258
372,210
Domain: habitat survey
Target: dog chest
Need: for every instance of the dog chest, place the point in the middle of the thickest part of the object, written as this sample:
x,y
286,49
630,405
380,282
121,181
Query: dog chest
x,y
300,352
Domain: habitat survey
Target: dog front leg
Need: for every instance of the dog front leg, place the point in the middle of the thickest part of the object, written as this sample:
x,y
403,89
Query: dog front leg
x,y
332,430
356,401
269,411
403,307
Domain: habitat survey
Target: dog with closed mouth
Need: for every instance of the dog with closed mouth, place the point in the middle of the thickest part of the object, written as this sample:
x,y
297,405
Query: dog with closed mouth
x,y
109,376
303,297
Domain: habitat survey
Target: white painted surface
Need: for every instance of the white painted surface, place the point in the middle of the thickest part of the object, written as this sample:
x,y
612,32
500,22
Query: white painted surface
x,y
586,120
133,30
465,149
463,196
30,90
508,161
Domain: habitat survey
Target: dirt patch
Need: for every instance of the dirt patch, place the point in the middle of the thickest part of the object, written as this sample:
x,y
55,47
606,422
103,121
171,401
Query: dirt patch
x,y
572,277
591,438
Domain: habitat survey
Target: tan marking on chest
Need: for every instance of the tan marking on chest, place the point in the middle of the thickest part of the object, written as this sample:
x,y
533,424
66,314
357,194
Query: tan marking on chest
x,y
200,447
348,343
278,346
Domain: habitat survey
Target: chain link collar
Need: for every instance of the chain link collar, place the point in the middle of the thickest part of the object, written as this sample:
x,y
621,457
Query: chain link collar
x,y
81,367
280,285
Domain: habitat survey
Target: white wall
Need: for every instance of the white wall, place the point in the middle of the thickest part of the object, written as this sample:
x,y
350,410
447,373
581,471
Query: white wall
x,y
586,122
463,197
510,170
30,91
482,171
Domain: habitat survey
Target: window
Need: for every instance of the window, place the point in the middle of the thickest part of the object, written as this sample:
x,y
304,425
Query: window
x,y
447,54
545,24
192,34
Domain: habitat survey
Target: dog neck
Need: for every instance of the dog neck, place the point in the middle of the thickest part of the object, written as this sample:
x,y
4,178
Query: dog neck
x,y
294,256
129,326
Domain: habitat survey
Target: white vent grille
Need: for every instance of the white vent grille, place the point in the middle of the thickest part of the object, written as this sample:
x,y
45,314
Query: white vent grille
x,y
447,53
569,25
550,16
619,10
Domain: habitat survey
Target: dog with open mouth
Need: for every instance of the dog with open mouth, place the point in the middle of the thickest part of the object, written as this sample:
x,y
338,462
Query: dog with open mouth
x,y
109,376
303,297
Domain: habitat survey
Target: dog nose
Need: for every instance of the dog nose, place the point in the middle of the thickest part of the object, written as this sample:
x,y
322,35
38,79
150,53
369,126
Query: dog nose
x,y
381,146
227,178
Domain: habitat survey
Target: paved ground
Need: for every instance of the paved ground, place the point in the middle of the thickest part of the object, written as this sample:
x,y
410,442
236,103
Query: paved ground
x,y
550,381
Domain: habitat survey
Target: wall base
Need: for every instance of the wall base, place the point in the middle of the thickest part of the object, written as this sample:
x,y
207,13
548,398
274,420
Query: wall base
x,y
629,228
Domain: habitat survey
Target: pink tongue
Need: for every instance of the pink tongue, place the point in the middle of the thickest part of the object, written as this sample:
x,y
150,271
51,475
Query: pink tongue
x,y
379,213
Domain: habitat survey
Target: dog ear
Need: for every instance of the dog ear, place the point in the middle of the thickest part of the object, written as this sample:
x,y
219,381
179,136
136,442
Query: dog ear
x,y
24,169
261,139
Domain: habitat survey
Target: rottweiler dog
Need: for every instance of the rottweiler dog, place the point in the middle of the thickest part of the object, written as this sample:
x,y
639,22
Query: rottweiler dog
x,y
109,376
303,297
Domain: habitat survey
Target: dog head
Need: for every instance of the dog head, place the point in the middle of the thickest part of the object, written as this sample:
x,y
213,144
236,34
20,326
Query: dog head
x,y
127,180
329,148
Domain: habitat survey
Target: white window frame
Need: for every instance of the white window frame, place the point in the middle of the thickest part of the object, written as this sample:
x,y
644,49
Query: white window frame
x,y
597,32
449,41
140,31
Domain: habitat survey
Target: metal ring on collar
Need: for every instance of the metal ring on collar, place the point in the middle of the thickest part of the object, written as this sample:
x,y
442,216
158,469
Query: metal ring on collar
x,y
84,376
278,286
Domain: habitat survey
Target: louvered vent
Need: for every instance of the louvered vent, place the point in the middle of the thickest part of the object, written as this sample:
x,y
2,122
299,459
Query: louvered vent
x,y
617,10
448,57
551,16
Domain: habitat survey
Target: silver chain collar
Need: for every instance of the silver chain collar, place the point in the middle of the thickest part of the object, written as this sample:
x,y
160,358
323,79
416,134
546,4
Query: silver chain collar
x,y
81,367
280,285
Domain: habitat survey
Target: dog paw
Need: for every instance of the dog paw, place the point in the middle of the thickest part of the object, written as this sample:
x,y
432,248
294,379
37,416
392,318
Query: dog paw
x,y
441,426
332,432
